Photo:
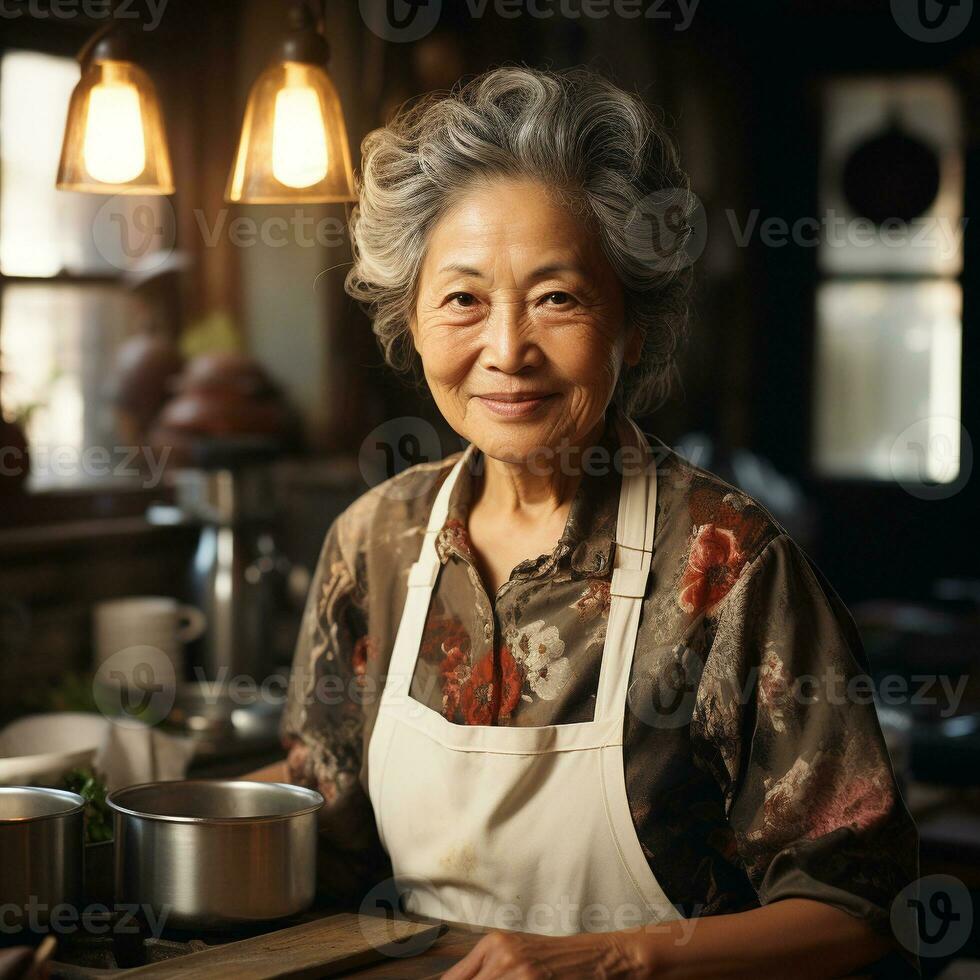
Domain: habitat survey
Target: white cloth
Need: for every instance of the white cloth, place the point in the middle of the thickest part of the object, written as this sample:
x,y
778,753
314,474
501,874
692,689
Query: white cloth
x,y
37,750
132,753
514,827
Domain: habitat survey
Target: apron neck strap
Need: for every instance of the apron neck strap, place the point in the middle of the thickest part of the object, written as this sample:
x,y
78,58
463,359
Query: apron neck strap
x,y
422,573
636,523
632,555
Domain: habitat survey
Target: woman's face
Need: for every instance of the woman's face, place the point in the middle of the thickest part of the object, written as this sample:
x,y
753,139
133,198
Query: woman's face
x,y
516,298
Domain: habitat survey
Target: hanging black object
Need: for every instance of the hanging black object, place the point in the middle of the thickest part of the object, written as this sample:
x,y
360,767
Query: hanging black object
x,y
892,175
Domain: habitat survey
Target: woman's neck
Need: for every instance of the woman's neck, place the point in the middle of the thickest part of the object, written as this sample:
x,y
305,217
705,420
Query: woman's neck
x,y
538,490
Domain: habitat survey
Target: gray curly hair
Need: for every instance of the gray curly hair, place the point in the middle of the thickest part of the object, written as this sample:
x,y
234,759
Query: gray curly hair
x,y
601,151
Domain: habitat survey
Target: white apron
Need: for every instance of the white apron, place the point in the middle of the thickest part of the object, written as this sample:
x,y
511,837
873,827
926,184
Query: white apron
x,y
509,827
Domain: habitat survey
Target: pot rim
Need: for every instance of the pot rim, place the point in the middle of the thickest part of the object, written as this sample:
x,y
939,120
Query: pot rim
x,y
66,796
316,801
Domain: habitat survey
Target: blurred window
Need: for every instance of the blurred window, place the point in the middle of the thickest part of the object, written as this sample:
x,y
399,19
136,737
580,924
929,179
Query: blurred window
x,y
889,300
64,305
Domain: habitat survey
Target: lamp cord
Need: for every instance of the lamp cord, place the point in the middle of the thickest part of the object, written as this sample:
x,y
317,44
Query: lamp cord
x,y
317,9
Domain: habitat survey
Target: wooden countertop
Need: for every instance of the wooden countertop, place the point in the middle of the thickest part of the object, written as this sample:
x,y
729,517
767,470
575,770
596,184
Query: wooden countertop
x,y
338,944
447,950
326,944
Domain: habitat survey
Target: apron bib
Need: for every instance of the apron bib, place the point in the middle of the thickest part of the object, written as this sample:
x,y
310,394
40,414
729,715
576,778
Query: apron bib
x,y
519,828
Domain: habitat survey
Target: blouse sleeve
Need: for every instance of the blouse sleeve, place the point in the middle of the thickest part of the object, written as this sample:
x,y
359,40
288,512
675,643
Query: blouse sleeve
x,y
786,721
322,725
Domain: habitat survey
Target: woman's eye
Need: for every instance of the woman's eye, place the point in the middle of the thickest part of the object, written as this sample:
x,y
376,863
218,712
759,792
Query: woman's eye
x,y
557,298
463,300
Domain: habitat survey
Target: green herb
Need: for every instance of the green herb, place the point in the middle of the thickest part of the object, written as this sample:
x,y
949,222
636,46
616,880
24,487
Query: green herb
x,y
72,692
98,818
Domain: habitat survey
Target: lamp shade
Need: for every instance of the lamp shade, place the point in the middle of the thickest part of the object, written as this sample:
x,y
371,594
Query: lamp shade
x,y
293,145
114,137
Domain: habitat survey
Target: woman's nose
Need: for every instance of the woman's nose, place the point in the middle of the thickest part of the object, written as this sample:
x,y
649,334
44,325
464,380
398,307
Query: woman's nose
x,y
510,341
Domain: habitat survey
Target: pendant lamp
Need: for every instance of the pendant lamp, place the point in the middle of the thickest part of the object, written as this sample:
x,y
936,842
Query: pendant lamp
x,y
114,137
293,146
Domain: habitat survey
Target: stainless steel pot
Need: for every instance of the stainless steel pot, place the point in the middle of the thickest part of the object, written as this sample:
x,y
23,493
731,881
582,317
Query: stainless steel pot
x,y
211,854
42,837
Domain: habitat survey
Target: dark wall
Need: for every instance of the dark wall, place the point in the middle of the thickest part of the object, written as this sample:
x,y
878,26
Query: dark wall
x,y
739,86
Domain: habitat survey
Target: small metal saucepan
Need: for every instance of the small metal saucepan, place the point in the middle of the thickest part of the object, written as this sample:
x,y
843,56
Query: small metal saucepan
x,y
214,854
41,847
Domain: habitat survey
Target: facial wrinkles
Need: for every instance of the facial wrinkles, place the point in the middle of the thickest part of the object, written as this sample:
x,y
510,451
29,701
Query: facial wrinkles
x,y
506,294
510,250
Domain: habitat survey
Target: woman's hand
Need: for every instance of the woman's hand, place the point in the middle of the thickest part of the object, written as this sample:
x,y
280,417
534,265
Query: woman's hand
x,y
521,956
796,937
275,773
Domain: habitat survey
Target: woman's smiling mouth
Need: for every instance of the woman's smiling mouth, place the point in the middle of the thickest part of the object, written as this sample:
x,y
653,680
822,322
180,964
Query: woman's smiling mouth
x,y
516,405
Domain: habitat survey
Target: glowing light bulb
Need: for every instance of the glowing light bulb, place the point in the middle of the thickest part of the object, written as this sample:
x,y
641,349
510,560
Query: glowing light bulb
x,y
299,140
114,149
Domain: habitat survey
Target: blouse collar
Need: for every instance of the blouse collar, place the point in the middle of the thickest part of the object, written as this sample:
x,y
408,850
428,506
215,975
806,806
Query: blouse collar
x,y
586,542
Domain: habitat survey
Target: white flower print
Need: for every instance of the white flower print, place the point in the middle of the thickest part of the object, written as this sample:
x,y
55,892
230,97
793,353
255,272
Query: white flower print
x,y
775,684
540,651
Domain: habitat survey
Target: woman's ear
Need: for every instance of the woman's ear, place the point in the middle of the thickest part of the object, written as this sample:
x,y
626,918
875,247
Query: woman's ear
x,y
413,330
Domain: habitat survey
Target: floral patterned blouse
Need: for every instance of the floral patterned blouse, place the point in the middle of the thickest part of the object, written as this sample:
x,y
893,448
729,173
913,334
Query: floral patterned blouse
x,y
751,775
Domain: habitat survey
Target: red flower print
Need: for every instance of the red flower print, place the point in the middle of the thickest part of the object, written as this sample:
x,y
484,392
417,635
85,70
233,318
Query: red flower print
x,y
594,601
835,789
724,507
442,634
712,569
476,697
860,803
455,671
454,537
484,698
511,682
850,788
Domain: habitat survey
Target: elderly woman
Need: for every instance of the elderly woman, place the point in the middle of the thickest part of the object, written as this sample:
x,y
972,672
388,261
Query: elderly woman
x,y
572,687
